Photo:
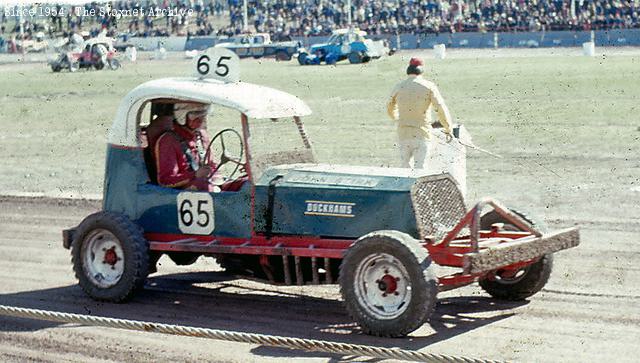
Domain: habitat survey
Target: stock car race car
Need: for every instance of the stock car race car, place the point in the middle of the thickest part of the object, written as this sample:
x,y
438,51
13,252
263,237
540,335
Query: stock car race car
x,y
344,44
259,45
95,53
377,232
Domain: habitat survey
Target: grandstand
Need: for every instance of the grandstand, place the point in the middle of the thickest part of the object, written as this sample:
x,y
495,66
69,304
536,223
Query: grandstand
x,y
285,19
320,17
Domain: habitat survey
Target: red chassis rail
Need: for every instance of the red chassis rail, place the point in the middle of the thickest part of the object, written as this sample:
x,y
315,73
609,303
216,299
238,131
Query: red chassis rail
x,y
477,254
483,252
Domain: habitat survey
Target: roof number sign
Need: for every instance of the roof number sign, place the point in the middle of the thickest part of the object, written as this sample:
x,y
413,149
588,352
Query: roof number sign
x,y
195,213
218,63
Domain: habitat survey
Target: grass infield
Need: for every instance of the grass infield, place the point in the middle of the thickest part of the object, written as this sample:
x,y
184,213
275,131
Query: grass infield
x,y
567,126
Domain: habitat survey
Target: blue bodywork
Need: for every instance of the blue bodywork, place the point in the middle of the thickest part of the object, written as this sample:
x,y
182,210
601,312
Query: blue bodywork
x,y
127,190
330,53
290,200
342,45
333,204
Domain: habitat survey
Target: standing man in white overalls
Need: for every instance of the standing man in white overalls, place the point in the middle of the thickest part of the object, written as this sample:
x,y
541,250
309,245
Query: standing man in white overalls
x,y
410,105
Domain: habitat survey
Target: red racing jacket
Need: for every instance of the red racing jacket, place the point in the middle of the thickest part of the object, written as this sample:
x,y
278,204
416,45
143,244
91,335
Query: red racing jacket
x,y
178,157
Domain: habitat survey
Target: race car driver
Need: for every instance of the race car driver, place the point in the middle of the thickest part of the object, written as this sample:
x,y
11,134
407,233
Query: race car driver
x,y
180,153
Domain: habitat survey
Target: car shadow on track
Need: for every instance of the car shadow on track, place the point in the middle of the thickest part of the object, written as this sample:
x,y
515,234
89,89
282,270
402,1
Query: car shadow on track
x,y
216,300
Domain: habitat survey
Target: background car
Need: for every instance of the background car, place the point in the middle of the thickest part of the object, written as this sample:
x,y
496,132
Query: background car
x,y
94,53
344,44
259,45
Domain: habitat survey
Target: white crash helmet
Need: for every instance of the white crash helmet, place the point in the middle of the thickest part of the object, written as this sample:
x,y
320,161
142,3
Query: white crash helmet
x,y
180,110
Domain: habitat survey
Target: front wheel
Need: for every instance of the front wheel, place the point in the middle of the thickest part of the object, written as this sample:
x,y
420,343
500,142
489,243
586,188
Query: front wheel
x,y
388,284
114,64
110,257
516,284
302,58
99,65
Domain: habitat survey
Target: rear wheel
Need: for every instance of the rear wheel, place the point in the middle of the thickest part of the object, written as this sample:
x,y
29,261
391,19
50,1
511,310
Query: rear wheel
x,y
387,283
516,284
355,58
110,256
282,56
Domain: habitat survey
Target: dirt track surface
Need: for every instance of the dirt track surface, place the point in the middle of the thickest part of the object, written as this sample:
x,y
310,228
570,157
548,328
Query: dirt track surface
x,y
587,312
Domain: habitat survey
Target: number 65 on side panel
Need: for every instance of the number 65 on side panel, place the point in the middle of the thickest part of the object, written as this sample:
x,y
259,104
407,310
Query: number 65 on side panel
x,y
195,213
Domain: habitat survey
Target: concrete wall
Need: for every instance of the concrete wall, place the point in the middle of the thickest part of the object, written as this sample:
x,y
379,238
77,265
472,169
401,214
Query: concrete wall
x,y
621,37
151,43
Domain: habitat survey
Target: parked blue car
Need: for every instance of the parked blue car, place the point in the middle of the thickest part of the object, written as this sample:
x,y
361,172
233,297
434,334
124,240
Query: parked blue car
x,y
344,44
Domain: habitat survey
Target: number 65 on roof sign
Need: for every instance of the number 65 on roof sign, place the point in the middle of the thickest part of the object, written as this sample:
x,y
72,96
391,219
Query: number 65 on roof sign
x,y
218,63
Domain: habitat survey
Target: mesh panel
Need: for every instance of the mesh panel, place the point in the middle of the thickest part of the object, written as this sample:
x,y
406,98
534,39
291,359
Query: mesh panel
x,y
438,205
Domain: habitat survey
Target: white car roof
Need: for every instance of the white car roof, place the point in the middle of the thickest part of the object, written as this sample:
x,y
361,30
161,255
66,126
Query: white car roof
x,y
347,30
255,101
96,40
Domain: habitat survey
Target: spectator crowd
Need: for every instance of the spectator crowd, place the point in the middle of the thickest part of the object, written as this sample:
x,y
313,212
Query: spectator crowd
x,y
135,18
284,18
318,17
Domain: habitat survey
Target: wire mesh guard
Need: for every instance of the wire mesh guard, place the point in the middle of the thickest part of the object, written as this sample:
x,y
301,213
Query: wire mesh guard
x,y
438,205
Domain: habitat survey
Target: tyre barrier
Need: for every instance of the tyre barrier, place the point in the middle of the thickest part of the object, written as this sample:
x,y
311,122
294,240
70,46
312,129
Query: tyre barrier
x,y
311,345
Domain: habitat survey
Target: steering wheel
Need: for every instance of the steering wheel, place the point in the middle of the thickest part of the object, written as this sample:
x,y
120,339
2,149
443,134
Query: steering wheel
x,y
224,157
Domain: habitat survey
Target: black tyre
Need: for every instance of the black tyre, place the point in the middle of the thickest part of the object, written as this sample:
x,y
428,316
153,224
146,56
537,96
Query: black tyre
x,y
98,65
55,67
114,64
523,283
330,59
388,284
283,56
355,57
184,258
302,58
110,256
